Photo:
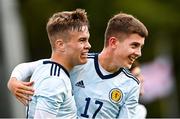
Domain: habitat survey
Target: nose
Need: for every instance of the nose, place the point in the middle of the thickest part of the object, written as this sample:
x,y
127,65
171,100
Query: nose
x,y
88,45
138,52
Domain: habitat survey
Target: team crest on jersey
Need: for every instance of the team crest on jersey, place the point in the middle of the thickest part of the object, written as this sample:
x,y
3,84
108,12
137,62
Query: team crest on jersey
x,y
115,95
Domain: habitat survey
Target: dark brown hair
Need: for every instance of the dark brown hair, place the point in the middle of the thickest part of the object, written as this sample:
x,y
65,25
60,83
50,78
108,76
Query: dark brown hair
x,y
124,24
62,22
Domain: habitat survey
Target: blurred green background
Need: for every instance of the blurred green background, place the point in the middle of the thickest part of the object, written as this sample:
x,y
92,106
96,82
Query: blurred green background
x,y
161,17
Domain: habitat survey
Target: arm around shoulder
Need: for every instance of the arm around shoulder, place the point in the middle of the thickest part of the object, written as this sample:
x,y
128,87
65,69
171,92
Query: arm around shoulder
x,y
21,90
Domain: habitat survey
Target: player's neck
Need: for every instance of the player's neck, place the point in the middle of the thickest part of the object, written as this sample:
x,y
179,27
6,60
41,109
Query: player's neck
x,y
106,61
61,60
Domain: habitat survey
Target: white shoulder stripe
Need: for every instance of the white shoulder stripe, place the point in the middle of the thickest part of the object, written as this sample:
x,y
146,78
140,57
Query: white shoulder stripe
x,y
91,55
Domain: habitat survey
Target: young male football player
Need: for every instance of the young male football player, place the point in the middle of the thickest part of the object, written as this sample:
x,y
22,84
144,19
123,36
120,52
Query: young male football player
x,y
68,35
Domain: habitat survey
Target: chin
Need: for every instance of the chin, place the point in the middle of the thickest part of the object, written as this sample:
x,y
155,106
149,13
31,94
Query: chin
x,y
83,61
128,66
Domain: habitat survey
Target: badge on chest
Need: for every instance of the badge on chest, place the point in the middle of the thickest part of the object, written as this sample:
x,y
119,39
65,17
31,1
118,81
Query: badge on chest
x,y
115,95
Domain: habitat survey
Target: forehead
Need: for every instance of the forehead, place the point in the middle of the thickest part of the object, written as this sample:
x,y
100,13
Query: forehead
x,y
135,38
83,32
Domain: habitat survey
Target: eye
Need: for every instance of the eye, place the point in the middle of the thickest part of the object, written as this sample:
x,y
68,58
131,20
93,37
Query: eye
x,y
135,45
83,39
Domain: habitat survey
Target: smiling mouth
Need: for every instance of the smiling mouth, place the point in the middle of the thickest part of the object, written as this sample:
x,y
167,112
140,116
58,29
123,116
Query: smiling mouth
x,y
85,54
132,58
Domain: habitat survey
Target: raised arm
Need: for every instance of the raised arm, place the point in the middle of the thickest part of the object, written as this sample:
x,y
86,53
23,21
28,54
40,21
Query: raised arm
x,y
17,85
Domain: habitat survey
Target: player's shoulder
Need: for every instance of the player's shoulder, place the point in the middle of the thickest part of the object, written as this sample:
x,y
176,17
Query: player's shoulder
x,y
55,69
87,65
92,55
40,61
92,60
130,75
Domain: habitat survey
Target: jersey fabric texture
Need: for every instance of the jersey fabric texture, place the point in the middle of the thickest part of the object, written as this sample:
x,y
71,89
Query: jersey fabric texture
x,y
100,94
53,92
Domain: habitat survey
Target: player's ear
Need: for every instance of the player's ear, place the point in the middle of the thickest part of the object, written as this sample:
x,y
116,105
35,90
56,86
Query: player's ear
x,y
60,44
113,42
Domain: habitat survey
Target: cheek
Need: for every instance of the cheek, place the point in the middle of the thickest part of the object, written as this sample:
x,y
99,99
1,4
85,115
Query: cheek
x,y
125,48
75,47
129,51
78,48
72,49
125,51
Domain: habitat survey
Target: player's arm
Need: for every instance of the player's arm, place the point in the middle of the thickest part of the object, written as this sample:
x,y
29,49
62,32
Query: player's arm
x,y
17,85
132,101
21,90
129,108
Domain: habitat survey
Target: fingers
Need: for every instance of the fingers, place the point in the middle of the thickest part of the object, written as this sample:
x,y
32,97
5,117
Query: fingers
x,y
142,89
27,86
23,96
21,90
26,92
28,83
23,101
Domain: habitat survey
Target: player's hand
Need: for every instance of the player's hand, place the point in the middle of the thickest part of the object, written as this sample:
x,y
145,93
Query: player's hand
x,y
141,79
21,90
